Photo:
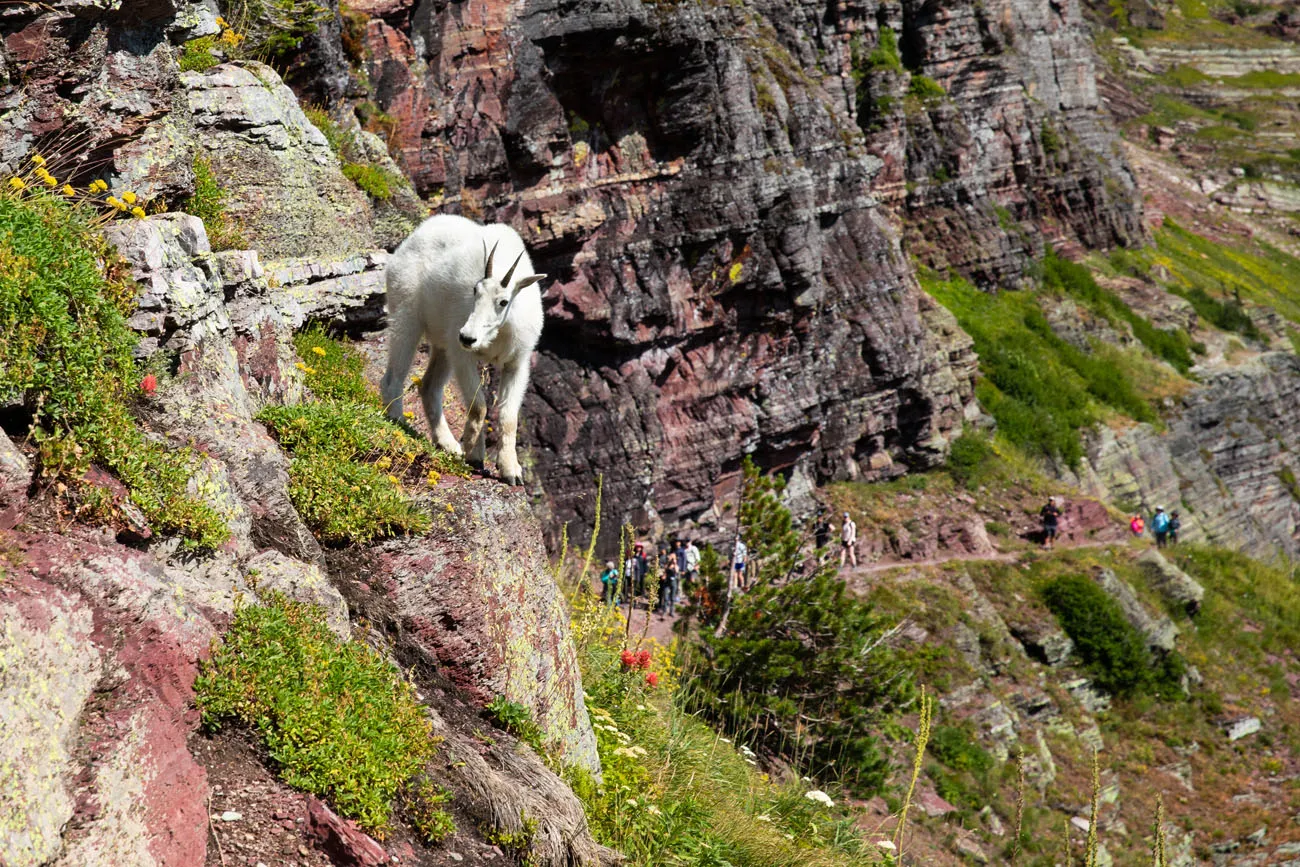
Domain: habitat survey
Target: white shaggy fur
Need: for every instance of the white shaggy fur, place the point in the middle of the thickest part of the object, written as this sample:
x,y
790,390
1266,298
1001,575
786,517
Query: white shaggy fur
x,y
439,288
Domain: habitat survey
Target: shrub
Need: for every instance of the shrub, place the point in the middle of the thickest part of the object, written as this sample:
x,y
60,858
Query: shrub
x,y
349,461
957,749
335,716
208,203
968,455
423,802
274,28
1050,139
765,676
1112,650
374,181
515,718
885,55
67,352
197,56
926,89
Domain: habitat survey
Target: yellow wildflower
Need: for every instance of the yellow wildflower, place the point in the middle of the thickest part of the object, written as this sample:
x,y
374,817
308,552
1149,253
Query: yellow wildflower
x,y
318,350
38,160
98,187
449,508
128,197
392,479
409,414
221,22
384,463
46,178
138,213
115,202
17,184
434,476
68,190
304,368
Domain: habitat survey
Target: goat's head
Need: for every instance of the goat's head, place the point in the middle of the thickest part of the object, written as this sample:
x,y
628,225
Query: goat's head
x,y
492,301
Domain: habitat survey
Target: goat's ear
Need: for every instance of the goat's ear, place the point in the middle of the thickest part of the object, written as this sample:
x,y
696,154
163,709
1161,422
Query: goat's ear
x,y
527,281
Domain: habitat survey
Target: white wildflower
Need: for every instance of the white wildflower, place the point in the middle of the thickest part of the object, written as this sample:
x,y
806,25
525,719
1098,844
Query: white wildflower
x,y
886,845
724,740
751,762
651,808
820,797
788,836
763,818
641,707
631,802
637,751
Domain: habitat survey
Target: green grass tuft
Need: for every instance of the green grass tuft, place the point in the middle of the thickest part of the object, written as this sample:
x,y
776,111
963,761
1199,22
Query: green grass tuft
x,y
67,351
335,716
373,180
516,719
350,463
208,203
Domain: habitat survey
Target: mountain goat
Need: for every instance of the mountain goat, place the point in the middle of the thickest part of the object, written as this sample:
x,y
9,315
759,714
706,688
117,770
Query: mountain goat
x,y
441,285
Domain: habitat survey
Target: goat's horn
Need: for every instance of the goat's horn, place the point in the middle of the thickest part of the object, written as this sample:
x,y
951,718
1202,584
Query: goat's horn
x,y
506,280
487,266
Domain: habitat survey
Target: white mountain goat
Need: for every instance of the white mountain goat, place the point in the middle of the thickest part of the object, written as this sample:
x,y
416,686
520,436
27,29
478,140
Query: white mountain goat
x,y
441,285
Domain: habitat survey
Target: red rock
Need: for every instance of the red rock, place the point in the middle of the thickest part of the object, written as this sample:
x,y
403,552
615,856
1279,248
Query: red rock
x,y
342,839
933,805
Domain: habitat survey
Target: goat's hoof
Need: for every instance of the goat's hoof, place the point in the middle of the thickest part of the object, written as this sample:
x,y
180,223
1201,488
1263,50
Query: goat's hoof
x,y
513,481
476,466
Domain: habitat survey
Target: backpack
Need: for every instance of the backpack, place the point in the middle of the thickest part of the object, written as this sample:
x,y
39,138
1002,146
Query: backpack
x,y
1160,523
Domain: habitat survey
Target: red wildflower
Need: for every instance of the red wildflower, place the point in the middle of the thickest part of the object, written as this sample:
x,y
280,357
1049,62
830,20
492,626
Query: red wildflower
x,y
652,679
149,385
643,659
627,658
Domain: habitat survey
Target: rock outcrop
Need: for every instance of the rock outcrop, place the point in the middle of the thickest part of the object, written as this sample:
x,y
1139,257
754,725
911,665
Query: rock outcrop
x,y
1223,461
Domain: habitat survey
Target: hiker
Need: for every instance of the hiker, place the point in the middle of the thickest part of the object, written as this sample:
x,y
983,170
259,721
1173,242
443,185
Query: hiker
x,y
849,541
667,582
640,566
609,584
1137,525
1174,526
692,565
1051,515
738,563
821,530
682,567
1160,526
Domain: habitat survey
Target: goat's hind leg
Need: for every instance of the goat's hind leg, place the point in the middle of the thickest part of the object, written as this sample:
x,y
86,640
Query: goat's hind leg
x,y
431,391
471,392
403,339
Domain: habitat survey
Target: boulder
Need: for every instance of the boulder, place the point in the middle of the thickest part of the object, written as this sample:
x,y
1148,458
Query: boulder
x,y
1158,630
345,842
15,478
475,598
284,186
1173,583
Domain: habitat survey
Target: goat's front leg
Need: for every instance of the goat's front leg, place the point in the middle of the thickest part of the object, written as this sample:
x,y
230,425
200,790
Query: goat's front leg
x,y
471,392
514,382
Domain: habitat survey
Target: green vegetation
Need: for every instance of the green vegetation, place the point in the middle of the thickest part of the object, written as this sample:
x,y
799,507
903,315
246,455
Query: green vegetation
x,y
1042,390
1110,648
1216,276
968,457
374,180
1050,139
336,718
763,677
274,28
926,89
67,351
208,203
422,801
885,55
516,719
673,789
1077,281
197,56
350,463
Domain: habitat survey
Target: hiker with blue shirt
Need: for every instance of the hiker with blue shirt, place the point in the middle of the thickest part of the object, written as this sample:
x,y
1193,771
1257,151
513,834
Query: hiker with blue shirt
x,y
609,583
1160,526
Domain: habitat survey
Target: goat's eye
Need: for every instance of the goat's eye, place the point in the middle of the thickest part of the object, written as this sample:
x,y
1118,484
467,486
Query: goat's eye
x,y
501,305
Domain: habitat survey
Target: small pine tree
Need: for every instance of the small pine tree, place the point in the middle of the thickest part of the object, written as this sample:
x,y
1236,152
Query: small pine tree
x,y
800,670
